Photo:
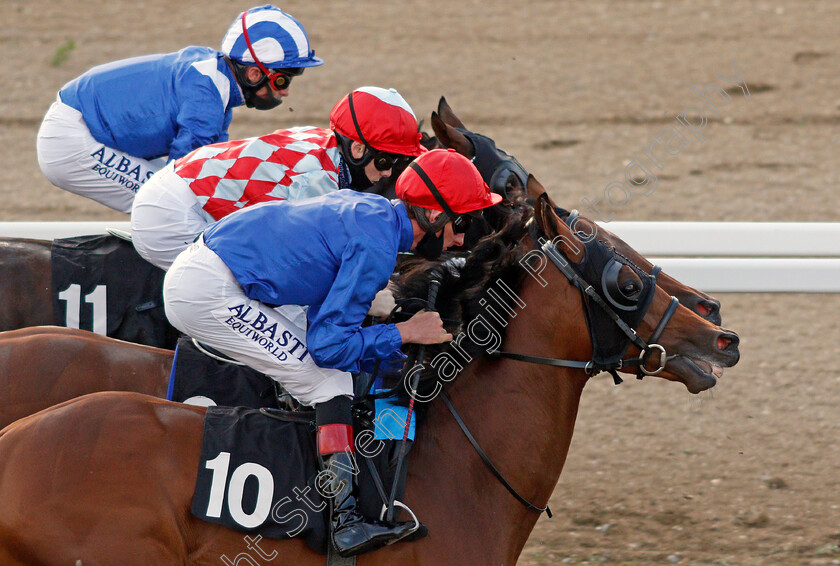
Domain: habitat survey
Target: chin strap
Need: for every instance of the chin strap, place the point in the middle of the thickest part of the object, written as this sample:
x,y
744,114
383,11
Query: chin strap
x,y
431,246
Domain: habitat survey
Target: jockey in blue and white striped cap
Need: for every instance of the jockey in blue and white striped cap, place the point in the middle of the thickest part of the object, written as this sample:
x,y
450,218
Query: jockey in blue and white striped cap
x,y
268,39
109,129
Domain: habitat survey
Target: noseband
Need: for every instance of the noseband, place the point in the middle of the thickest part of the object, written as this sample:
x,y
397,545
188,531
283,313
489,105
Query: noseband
x,y
592,299
609,362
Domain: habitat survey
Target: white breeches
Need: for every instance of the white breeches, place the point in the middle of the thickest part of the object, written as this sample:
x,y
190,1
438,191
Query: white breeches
x,y
166,218
73,160
203,300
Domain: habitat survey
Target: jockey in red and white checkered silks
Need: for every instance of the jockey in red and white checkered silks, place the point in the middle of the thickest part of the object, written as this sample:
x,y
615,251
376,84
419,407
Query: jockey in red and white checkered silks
x,y
371,128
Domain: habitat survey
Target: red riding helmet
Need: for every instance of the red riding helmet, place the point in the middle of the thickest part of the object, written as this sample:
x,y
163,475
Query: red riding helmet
x,y
452,176
379,118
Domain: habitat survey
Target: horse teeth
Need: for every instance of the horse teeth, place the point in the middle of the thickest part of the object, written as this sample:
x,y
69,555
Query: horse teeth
x,y
717,371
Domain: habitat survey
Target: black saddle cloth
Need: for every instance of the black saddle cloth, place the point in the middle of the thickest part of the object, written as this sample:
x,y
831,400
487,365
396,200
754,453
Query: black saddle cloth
x,y
262,461
101,281
258,473
195,375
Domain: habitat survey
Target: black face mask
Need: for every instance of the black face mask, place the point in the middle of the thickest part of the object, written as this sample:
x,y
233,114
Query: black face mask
x,y
252,100
430,246
358,179
249,90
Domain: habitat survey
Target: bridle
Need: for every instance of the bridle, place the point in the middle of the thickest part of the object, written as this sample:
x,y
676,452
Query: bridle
x,y
592,367
495,165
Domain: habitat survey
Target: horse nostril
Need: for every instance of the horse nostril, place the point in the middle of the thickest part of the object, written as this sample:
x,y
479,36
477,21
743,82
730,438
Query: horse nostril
x,y
725,341
708,309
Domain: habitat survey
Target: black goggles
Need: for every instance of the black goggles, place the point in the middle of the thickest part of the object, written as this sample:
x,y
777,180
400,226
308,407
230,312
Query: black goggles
x,y
462,223
280,79
384,161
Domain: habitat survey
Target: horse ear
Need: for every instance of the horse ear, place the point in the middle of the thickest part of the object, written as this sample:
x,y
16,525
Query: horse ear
x,y
448,116
452,138
543,213
427,141
555,229
534,189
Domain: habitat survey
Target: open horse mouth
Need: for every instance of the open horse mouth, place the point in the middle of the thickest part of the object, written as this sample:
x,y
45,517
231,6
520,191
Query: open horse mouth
x,y
696,375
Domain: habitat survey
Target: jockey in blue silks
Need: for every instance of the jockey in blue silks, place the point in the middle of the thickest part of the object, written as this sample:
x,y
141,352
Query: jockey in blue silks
x,y
243,286
107,131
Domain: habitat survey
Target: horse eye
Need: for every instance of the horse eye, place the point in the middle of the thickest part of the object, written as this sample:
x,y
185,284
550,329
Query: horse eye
x,y
513,182
501,184
631,289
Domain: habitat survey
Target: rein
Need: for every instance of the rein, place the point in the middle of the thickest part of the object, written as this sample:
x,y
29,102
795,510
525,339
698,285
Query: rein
x,y
486,459
590,366
434,287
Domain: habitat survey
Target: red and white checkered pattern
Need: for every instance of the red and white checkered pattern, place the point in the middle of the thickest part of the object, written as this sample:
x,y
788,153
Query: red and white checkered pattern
x,y
287,164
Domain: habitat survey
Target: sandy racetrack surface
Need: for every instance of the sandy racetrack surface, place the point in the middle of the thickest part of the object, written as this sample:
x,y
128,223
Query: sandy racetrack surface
x,y
747,474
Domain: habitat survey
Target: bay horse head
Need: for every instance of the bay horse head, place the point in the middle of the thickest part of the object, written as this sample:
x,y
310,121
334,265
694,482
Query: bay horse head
x,y
703,304
630,313
506,176
632,321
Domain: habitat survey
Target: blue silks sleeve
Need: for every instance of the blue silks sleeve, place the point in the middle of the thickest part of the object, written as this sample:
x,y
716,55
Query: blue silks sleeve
x,y
335,338
201,118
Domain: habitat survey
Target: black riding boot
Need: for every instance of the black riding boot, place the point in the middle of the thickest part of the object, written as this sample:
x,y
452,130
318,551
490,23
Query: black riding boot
x,y
351,533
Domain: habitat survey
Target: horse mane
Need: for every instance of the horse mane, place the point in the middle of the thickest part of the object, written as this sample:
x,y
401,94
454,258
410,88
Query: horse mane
x,y
465,293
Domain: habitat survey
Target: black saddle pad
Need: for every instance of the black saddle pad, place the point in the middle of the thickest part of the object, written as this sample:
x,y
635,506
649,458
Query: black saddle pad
x,y
259,474
256,474
199,379
101,284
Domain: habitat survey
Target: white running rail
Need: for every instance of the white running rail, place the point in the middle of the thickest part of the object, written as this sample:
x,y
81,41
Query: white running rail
x,y
716,257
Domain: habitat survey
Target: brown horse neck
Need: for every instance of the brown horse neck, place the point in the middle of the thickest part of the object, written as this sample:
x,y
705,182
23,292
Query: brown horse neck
x,y
522,415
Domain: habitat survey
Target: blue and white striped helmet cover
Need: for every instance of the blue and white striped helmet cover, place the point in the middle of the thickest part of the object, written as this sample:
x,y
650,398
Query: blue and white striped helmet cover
x,y
278,39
